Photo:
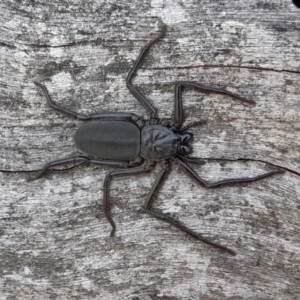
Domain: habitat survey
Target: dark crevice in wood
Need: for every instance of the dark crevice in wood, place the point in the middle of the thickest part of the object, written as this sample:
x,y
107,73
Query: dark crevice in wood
x,y
228,66
204,159
37,170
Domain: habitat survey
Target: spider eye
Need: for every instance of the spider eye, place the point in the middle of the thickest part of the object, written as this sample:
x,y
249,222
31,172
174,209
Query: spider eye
x,y
185,150
186,137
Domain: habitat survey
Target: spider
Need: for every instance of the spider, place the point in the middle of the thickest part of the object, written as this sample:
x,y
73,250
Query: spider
x,y
134,145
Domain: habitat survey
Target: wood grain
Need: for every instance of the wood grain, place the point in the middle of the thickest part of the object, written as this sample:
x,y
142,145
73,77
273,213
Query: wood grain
x,y
54,238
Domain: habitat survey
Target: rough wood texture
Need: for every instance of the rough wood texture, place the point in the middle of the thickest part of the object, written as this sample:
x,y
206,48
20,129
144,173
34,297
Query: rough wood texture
x,y
52,245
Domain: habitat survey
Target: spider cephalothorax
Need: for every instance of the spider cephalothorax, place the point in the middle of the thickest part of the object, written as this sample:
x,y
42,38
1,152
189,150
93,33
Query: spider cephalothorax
x,y
159,142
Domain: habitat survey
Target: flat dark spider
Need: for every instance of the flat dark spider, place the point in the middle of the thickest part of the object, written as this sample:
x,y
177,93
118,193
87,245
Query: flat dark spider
x,y
127,141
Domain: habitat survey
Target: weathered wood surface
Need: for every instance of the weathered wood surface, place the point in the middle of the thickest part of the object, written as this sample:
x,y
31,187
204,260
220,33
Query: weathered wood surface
x,y
52,245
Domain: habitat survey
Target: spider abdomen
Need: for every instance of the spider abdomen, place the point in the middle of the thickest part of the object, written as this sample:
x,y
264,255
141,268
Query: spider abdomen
x,y
113,140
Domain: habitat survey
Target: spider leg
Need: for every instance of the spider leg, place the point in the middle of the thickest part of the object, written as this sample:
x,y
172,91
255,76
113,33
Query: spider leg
x,y
117,116
168,219
137,94
178,109
136,170
77,159
192,172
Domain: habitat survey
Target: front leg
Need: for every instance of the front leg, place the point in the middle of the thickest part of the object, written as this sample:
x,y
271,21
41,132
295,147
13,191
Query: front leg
x,y
178,109
182,161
